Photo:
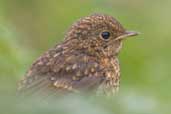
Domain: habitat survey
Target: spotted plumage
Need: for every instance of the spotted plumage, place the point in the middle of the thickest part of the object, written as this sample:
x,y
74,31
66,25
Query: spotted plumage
x,y
86,61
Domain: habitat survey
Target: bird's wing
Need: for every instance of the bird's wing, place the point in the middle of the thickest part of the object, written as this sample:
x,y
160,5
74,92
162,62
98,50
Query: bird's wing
x,y
68,73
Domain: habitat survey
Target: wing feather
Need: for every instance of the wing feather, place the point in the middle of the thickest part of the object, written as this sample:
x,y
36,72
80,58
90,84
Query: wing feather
x,y
73,72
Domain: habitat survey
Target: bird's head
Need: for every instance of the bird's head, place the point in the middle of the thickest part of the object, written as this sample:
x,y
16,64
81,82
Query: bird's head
x,y
98,34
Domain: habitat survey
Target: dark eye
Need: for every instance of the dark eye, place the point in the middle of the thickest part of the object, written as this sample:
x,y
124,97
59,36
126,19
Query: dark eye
x,y
105,35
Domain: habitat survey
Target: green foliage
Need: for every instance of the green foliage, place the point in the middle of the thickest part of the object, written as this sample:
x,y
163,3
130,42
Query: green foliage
x,y
28,28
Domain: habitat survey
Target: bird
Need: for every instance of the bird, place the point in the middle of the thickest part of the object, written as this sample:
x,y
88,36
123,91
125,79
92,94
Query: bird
x,y
86,61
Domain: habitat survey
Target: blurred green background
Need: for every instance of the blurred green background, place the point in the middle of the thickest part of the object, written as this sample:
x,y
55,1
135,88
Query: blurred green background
x,y
30,27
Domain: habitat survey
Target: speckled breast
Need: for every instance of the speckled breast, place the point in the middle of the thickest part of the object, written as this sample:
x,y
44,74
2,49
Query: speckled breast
x,y
111,85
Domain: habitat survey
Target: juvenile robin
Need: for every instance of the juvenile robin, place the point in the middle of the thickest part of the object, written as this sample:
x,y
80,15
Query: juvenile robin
x,y
86,61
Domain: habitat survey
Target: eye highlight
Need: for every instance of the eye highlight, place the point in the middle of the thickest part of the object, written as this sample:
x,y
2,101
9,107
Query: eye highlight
x,y
105,35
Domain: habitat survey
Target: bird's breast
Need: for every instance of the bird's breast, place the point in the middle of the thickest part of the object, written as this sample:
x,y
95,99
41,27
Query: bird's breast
x,y
112,75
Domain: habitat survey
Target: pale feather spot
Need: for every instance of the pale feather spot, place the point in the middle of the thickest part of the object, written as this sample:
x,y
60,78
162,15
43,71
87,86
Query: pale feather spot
x,y
65,86
68,68
40,63
86,72
108,75
85,59
92,70
52,78
57,54
56,83
74,66
74,78
59,46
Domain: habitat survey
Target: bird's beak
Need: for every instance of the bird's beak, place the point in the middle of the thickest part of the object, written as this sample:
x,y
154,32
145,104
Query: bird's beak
x,y
127,34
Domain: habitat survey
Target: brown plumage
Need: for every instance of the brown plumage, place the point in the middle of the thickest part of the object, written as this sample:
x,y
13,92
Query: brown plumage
x,y
86,61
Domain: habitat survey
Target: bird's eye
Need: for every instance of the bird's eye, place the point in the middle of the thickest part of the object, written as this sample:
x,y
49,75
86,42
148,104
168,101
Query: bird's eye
x,y
105,35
